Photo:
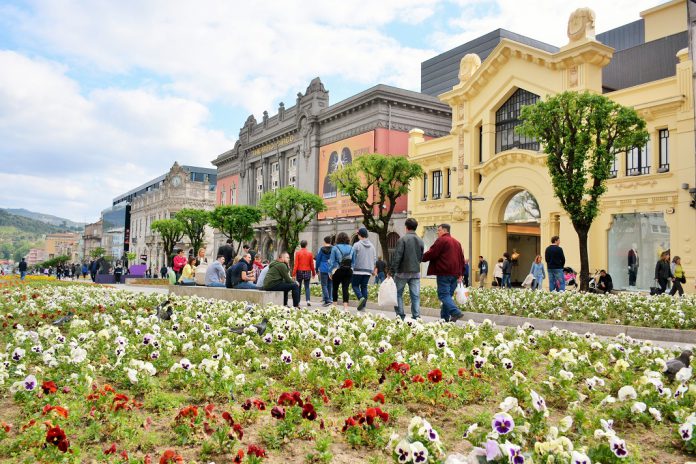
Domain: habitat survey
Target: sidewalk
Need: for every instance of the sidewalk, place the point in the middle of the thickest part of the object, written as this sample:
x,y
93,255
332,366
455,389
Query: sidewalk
x,y
665,338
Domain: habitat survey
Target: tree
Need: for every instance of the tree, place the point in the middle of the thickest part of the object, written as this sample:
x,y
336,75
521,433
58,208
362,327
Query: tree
x,y
171,231
582,133
236,221
97,252
374,182
193,222
292,210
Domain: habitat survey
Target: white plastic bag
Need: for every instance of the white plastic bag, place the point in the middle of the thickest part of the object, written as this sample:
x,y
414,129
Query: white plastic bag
x,y
461,294
387,293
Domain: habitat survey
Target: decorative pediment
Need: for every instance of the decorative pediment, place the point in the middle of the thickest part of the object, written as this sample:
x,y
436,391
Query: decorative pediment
x,y
510,157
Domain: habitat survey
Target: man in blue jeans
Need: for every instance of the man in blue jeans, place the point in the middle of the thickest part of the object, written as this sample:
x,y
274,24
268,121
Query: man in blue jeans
x,y
241,276
324,270
405,267
555,260
364,259
22,269
215,274
446,264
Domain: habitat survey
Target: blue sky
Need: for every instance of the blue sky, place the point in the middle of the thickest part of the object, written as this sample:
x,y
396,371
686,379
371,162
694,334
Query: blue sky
x,y
97,97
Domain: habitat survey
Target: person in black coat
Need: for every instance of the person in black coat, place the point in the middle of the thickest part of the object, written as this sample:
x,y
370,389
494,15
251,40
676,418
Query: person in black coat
x,y
604,284
227,251
663,272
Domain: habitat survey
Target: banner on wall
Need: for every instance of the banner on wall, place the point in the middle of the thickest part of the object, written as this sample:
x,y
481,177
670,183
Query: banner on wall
x,y
331,158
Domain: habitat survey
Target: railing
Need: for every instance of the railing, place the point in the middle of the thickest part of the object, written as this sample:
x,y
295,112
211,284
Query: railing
x,y
638,171
663,167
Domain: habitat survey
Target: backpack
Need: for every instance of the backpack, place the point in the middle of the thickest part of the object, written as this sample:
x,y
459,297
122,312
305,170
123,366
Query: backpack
x,y
346,261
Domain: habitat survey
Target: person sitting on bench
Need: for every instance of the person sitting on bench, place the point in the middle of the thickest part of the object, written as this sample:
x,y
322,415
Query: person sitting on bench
x,y
215,274
241,276
278,280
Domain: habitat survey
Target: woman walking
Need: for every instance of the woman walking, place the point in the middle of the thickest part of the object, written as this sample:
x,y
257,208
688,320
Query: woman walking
x,y
538,272
663,272
303,270
679,276
498,272
340,264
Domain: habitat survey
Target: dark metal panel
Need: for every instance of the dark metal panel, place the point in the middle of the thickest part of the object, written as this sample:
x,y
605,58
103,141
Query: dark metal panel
x,y
623,37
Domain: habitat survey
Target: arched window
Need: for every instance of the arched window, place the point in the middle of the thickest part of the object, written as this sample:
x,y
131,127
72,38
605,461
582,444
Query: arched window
x,y
508,117
392,238
522,207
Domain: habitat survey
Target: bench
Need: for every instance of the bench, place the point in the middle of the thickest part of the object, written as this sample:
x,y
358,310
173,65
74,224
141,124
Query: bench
x,y
229,294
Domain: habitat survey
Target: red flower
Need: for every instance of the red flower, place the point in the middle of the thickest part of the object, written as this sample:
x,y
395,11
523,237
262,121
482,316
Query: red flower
x,y
170,457
49,387
237,429
383,415
401,368
370,415
124,455
347,384
56,436
239,457
246,405
435,375
188,411
209,411
350,422
259,404
111,450
228,417
278,412
208,429
256,451
148,459
378,398
5,426
58,409
418,379
308,411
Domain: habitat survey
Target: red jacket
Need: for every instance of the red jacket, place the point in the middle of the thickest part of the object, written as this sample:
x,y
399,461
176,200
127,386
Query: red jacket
x,y
304,261
179,263
446,257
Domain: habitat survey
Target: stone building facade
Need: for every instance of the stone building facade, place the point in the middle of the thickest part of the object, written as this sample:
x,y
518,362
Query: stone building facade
x,y
91,239
182,187
302,144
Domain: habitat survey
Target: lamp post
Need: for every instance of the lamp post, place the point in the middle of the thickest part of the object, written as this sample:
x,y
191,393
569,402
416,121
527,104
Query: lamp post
x,y
471,199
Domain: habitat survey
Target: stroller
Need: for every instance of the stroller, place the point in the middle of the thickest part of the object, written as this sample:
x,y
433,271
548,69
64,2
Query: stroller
x,y
571,278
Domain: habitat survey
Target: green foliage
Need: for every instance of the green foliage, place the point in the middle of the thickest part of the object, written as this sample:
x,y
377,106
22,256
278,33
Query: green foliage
x,y
54,261
28,225
582,133
171,231
97,252
374,182
193,222
293,210
236,221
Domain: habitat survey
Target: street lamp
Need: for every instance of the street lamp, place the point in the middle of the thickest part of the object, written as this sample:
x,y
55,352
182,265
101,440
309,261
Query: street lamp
x,y
471,199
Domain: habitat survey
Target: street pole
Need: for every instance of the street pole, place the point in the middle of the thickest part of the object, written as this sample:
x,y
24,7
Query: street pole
x,y
471,199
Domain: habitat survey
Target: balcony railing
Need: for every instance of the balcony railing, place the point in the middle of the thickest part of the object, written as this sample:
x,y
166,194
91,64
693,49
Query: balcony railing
x,y
638,171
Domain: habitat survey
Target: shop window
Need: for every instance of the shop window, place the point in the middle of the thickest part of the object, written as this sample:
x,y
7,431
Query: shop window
x,y
638,161
664,150
507,118
635,243
437,185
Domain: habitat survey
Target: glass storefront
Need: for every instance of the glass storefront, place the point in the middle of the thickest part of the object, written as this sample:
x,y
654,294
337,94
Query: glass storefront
x,y
636,241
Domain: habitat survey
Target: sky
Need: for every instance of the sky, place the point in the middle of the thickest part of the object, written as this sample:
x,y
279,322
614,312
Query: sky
x,y
99,96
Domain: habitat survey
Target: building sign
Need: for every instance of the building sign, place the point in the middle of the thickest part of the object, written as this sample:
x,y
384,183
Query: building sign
x,y
143,257
269,147
331,158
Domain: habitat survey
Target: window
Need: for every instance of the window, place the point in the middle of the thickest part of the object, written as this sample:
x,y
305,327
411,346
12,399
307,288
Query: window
x,y
259,180
437,184
614,167
449,178
638,161
222,196
507,118
275,175
233,194
425,186
292,171
664,150
480,144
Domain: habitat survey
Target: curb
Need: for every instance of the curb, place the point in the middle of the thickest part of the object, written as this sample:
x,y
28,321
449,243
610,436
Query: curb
x,y
644,333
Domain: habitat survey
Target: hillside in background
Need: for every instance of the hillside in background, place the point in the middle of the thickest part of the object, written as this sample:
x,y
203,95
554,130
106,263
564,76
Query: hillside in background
x,y
27,225
64,224
19,234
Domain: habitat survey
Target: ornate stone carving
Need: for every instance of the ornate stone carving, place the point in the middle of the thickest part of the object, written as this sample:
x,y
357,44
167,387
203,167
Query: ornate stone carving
x,y
635,184
581,25
468,66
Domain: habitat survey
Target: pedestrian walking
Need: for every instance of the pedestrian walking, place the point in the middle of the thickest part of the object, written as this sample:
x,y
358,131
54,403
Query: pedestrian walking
x,y
303,269
22,269
118,272
465,272
323,268
446,261
679,277
380,270
663,272
483,271
278,279
538,272
498,273
227,251
405,267
364,259
555,261
341,265
85,270
163,272
507,270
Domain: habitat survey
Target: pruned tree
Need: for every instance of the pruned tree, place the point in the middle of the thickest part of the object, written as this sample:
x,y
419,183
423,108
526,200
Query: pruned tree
x,y
193,222
98,252
374,182
171,232
236,222
582,133
292,210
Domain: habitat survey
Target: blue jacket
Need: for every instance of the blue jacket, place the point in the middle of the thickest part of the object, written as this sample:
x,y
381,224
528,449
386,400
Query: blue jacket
x,y
322,259
538,271
340,251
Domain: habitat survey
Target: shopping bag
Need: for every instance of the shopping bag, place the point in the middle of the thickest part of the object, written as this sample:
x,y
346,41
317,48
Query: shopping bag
x,y
461,294
387,293
528,281
199,276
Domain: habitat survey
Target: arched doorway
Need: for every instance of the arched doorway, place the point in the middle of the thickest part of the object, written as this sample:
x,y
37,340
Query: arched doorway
x,y
522,223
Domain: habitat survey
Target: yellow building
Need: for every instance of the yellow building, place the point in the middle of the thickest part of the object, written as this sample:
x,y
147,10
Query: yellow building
x,y
63,244
647,206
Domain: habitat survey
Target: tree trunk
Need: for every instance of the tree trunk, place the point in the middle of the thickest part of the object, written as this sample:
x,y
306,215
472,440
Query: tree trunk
x,y
382,234
582,232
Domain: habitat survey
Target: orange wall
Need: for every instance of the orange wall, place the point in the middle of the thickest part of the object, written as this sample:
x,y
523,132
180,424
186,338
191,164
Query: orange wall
x,y
224,185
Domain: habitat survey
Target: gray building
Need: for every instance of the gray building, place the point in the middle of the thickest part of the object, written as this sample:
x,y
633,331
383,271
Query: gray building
x,y
302,144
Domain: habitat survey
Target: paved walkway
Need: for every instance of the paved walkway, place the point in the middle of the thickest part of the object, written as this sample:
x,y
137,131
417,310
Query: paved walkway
x,y
372,308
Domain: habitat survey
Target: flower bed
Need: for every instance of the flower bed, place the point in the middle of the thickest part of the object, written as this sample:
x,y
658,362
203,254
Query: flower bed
x,y
117,384
625,308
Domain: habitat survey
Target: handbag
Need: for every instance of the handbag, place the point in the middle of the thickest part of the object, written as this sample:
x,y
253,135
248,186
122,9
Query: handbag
x,y
682,279
461,294
655,290
387,293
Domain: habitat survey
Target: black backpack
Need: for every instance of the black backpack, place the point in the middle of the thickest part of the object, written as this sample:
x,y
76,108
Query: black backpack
x,y
346,261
